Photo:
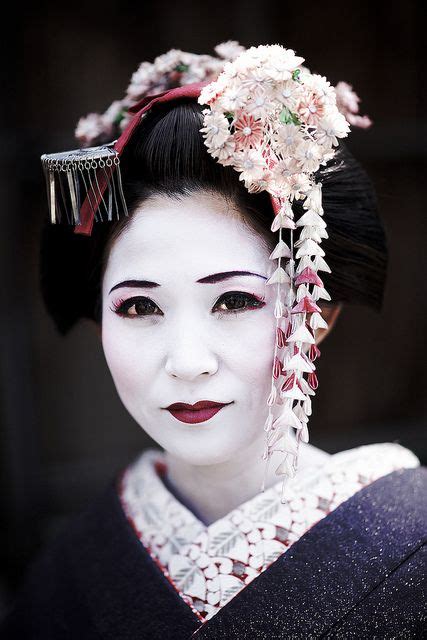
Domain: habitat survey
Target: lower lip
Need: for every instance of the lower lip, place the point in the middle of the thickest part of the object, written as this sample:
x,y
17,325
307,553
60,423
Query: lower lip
x,y
193,417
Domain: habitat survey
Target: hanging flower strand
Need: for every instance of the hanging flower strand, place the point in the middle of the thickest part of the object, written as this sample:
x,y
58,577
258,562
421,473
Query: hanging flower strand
x,y
276,123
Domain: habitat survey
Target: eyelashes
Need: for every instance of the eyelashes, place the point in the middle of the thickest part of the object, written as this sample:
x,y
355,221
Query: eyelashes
x,y
141,306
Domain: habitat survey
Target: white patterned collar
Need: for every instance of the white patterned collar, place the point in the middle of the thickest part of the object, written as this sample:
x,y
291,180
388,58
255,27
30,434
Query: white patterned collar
x,y
209,565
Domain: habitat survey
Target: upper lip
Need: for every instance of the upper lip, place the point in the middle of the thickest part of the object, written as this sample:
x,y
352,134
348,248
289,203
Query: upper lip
x,y
201,404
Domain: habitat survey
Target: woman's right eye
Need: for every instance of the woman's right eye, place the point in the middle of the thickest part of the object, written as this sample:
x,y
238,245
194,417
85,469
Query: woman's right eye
x,y
135,307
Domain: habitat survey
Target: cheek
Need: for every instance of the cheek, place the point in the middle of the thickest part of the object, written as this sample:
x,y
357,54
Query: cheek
x,y
126,359
252,350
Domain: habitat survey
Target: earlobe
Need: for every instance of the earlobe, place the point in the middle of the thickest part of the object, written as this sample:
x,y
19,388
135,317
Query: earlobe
x,y
330,313
98,329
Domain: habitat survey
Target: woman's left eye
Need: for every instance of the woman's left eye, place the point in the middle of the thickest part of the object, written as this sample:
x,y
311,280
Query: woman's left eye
x,y
238,301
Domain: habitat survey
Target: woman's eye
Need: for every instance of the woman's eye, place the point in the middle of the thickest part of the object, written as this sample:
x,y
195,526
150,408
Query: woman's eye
x,y
236,301
232,302
134,307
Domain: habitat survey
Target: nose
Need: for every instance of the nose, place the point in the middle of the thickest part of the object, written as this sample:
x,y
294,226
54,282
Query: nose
x,y
189,353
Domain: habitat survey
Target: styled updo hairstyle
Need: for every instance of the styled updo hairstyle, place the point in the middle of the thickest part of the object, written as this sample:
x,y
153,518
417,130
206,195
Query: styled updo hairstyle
x,y
167,156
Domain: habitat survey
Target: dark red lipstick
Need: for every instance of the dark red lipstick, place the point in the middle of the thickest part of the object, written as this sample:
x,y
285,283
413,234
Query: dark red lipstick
x,y
199,412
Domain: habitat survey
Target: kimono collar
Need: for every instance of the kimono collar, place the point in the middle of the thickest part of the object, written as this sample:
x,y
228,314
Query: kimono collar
x,y
209,565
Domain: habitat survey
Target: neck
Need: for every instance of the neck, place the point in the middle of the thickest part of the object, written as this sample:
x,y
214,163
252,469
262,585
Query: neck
x,y
215,490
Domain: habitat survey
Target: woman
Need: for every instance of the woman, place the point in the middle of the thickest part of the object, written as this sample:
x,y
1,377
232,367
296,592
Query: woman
x,y
184,544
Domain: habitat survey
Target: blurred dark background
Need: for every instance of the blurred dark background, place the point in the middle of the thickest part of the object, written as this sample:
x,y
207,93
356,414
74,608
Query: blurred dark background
x,y
64,433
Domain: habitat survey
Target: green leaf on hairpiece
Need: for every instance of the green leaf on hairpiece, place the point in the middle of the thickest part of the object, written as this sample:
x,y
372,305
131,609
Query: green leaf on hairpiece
x,y
287,117
295,74
182,68
119,117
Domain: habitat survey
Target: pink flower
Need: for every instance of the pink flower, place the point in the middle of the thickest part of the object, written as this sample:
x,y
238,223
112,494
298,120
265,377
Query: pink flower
x,y
92,127
311,108
249,132
348,105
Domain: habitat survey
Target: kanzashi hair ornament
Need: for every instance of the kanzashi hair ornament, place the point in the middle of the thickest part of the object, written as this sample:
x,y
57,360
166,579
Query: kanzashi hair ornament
x,y
68,173
276,124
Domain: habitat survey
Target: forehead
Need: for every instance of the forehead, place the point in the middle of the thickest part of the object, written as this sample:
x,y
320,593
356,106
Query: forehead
x,y
194,236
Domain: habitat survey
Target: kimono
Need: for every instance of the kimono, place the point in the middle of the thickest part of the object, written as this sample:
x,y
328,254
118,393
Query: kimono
x,y
343,557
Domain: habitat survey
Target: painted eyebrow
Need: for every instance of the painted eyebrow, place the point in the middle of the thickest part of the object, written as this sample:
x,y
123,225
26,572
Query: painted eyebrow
x,y
212,279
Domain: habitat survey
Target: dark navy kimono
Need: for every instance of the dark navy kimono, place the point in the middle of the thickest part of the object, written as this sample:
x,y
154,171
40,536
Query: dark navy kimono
x,y
360,572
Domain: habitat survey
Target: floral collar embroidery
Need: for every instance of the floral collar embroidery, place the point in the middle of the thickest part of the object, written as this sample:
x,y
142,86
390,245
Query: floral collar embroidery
x,y
209,565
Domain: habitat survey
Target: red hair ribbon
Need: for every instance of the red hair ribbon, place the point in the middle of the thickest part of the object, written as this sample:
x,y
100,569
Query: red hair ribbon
x,y
145,104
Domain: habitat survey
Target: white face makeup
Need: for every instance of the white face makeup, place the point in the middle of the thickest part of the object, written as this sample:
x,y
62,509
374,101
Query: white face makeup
x,y
186,341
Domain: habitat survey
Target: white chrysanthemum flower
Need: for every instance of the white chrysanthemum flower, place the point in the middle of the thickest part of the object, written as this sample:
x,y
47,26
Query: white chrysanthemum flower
x,y
229,50
251,165
260,105
255,186
208,93
225,153
215,129
321,86
185,57
258,80
330,128
213,67
144,74
299,184
168,61
91,127
285,139
247,61
281,64
141,80
230,72
308,156
284,169
195,73
234,97
288,93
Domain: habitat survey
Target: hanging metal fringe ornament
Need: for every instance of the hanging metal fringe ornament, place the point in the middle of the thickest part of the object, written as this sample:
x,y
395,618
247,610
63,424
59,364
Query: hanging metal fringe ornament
x,y
74,176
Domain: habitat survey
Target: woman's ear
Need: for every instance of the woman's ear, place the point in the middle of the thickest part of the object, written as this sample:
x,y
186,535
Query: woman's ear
x,y
330,313
98,329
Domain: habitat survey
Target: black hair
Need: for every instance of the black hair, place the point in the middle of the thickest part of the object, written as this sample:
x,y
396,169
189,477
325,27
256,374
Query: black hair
x,y
167,155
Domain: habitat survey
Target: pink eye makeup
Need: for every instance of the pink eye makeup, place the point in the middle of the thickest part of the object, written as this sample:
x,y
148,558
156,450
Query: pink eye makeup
x,y
136,306
238,299
232,302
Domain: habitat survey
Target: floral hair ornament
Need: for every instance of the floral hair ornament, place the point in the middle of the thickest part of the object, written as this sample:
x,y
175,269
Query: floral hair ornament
x,y
85,185
276,123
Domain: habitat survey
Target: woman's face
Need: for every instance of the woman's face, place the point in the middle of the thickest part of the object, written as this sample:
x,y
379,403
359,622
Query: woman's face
x,y
191,336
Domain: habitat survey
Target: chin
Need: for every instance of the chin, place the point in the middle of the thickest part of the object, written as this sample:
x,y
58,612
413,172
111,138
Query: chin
x,y
200,453
209,452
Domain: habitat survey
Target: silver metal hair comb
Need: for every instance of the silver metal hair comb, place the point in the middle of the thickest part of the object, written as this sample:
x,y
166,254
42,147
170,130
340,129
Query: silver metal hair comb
x,y
72,176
